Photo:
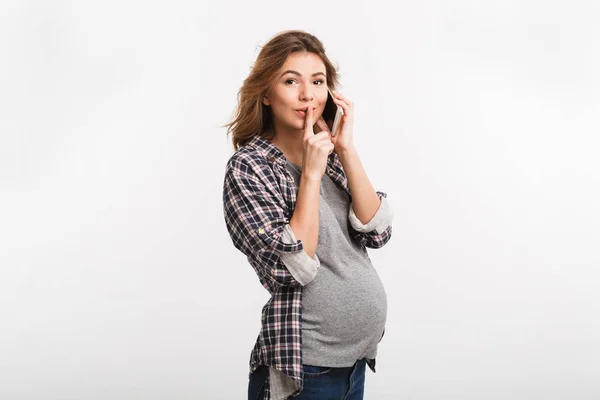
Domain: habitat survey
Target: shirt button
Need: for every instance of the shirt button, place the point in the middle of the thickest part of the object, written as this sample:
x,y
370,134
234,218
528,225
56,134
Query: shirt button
x,y
272,159
261,231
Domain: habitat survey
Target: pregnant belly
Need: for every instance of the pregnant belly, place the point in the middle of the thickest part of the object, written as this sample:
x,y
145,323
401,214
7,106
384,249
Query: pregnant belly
x,y
344,309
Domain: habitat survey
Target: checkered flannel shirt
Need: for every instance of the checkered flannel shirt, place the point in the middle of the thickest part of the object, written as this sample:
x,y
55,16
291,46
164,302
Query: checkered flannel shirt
x,y
259,197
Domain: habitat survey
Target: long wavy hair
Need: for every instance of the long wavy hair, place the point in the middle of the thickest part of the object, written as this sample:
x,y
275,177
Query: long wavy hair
x,y
251,116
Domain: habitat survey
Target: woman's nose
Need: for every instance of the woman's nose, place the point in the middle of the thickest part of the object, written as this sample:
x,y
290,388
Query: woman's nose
x,y
307,95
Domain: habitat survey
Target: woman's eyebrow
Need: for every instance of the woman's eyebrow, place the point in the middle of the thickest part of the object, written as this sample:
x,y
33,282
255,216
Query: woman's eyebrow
x,y
290,71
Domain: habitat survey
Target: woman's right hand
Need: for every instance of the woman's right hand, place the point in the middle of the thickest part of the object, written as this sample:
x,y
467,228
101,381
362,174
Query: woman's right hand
x,y
316,148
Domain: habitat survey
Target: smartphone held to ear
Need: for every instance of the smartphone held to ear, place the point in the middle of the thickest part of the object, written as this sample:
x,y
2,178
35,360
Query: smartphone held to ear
x,y
332,114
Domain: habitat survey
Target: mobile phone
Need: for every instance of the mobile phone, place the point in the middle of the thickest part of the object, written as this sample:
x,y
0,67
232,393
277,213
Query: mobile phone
x,y
332,114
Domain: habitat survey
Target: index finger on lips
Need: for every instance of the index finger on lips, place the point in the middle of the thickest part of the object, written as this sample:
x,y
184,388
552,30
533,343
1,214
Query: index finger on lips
x,y
308,123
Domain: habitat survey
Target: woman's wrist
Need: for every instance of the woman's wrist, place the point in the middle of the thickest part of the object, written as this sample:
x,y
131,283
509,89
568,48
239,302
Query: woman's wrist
x,y
347,153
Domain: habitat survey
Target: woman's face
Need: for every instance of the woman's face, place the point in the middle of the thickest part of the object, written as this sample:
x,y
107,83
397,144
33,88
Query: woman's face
x,y
301,83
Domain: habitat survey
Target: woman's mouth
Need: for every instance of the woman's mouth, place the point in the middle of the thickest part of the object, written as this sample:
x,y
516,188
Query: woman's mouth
x,y
302,112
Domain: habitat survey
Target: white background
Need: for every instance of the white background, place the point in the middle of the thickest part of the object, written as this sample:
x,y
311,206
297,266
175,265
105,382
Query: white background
x,y
480,120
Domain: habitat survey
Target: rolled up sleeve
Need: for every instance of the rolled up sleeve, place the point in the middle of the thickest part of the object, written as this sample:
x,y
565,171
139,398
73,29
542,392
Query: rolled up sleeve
x,y
378,231
380,221
299,263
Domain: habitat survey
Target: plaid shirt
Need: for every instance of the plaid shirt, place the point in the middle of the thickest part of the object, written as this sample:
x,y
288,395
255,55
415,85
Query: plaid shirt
x,y
259,197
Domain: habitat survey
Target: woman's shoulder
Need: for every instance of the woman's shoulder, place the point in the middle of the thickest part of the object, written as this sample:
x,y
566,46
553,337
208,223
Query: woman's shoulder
x,y
250,163
246,158
248,169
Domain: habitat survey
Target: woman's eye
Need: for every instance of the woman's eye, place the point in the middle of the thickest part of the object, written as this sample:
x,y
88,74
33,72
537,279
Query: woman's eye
x,y
320,81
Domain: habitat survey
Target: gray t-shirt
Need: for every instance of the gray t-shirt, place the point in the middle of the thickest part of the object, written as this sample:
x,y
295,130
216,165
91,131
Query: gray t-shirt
x,y
344,307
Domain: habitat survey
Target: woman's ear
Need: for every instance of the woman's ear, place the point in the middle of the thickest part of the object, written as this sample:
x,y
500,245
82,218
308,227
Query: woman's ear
x,y
266,101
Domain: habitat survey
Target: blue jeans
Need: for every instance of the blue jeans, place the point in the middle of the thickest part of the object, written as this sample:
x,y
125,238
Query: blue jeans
x,y
320,383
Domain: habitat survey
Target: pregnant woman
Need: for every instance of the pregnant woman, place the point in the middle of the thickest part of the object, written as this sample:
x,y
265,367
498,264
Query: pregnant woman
x,y
298,204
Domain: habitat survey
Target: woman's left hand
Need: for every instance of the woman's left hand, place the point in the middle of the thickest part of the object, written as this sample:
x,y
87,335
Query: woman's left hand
x,y
344,140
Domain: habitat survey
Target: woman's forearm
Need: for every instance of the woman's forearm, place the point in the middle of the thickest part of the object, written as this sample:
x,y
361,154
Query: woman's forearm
x,y
365,200
305,218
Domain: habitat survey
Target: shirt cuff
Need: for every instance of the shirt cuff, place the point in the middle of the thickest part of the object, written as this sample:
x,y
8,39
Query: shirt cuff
x,y
380,221
301,266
